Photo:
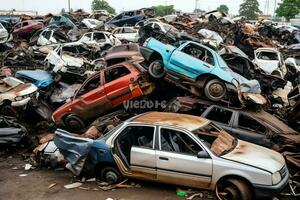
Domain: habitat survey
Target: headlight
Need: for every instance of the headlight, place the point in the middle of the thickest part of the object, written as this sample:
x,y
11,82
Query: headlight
x,y
19,98
235,83
276,178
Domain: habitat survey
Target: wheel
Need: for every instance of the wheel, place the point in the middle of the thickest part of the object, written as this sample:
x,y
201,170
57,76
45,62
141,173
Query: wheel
x,y
74,123
156,69
57,78
234,189
110,175
215,90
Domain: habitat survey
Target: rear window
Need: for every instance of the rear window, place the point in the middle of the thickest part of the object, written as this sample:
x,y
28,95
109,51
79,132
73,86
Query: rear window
x,y
220,115
267,55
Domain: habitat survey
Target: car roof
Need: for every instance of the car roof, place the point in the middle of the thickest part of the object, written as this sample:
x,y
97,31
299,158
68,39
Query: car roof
x,y
184,121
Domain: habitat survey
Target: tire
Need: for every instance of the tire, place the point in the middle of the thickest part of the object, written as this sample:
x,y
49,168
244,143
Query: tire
x,y
110,175
215,90
74,123
57,78
234,189
156,69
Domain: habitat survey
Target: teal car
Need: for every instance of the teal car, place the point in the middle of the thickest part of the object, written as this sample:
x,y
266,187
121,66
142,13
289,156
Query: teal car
x,y
200,69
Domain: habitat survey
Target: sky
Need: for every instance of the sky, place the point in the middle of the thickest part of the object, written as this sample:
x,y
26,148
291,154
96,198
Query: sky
x,y
55,6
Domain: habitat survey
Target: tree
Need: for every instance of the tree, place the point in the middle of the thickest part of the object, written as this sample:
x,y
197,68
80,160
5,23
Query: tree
x,y
223,8
162,10
102,5
288,9
250,9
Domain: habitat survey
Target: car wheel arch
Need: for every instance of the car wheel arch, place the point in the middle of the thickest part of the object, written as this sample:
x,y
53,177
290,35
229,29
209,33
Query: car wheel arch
x,y
234,176
155,56
204,78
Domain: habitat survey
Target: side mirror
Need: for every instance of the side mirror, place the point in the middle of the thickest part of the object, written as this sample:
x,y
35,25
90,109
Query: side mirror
x,y
203,154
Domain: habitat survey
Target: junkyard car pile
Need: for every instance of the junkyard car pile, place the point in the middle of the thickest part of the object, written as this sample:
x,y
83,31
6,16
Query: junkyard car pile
x,y
210,101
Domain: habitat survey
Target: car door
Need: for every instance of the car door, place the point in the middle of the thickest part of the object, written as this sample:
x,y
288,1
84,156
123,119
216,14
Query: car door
x,y
117,84
249,129
91,100
221,116
177,160
186,61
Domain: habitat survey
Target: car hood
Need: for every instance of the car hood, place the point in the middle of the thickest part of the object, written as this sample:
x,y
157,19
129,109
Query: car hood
x,y
268,65
24,89
256,156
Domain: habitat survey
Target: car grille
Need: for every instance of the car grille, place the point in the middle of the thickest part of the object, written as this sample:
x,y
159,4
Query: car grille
x,y
283,171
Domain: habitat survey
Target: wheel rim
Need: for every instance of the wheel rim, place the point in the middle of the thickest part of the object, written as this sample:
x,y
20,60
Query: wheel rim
x,y
157,69
111,177
216,90
74,125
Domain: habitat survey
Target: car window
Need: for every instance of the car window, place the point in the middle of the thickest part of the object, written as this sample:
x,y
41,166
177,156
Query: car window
x,y
99,36
156,26
248,123
177,141
220,115
82,25
87,36
47,34
138,136
69,49
116,73
199,53
128,30
264,55
92,84
25,24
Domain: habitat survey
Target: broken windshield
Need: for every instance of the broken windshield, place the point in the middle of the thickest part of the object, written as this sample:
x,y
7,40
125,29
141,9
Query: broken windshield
x,y
218,140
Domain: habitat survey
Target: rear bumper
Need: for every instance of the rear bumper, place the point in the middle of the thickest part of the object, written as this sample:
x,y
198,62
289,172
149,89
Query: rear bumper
x,y
262,191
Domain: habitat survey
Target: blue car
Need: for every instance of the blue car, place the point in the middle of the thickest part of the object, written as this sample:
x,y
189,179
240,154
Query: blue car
x,y
199,68
40,78
132,17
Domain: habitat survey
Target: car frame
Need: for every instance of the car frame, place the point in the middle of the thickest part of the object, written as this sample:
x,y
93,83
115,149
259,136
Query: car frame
x,y
235,171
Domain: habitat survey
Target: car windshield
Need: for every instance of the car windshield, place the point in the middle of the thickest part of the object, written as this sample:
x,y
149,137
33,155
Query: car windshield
x,y
169,28
265,55
218,140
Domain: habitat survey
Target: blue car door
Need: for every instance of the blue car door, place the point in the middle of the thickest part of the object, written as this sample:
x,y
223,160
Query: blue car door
x,y
188,65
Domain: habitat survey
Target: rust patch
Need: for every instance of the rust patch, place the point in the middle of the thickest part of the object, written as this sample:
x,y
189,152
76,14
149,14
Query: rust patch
x,y
173,119
20,88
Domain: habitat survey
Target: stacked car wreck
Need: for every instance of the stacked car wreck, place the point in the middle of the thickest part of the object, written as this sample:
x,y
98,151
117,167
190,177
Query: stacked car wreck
x,y
209,100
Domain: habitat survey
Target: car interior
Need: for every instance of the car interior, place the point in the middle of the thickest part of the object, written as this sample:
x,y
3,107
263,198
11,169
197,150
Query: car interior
x,y
199,53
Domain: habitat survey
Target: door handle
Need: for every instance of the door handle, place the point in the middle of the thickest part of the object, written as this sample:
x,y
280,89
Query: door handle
x,y
163,158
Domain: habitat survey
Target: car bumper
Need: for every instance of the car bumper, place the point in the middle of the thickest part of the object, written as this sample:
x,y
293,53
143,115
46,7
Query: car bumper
x,y
20,103
262,191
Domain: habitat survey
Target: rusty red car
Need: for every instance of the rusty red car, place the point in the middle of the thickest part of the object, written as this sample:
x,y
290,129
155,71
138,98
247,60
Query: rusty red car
x,y
27,27
102,92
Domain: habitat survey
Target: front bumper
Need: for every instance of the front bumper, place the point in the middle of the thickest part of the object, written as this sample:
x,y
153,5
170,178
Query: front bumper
x,y
263,191
21,103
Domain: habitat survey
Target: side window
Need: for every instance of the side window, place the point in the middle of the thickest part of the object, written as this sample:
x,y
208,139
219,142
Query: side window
x,y
250,124
87,37
139,136
47,34
82,25
199,53
99,36
90,85
115,73
128,30
156,26
25,24
179,142
219,115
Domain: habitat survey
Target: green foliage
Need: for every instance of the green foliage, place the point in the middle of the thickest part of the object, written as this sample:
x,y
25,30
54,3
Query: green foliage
x,y
223,8
162,10
250,9
102,5
288,9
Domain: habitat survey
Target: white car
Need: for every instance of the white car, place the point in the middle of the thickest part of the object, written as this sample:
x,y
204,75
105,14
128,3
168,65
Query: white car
x,y
163,27
91,23
4,35
104,40
294,62
271,61
126,33
15,93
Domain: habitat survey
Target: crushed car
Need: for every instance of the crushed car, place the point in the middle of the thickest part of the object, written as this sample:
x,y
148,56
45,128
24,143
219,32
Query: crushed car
x,y
15,93
166,147
126,34
27,28
201,69
102,40
101,93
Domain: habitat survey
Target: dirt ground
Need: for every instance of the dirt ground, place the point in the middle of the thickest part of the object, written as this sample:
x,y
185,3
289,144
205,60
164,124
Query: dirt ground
x,y
34,186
